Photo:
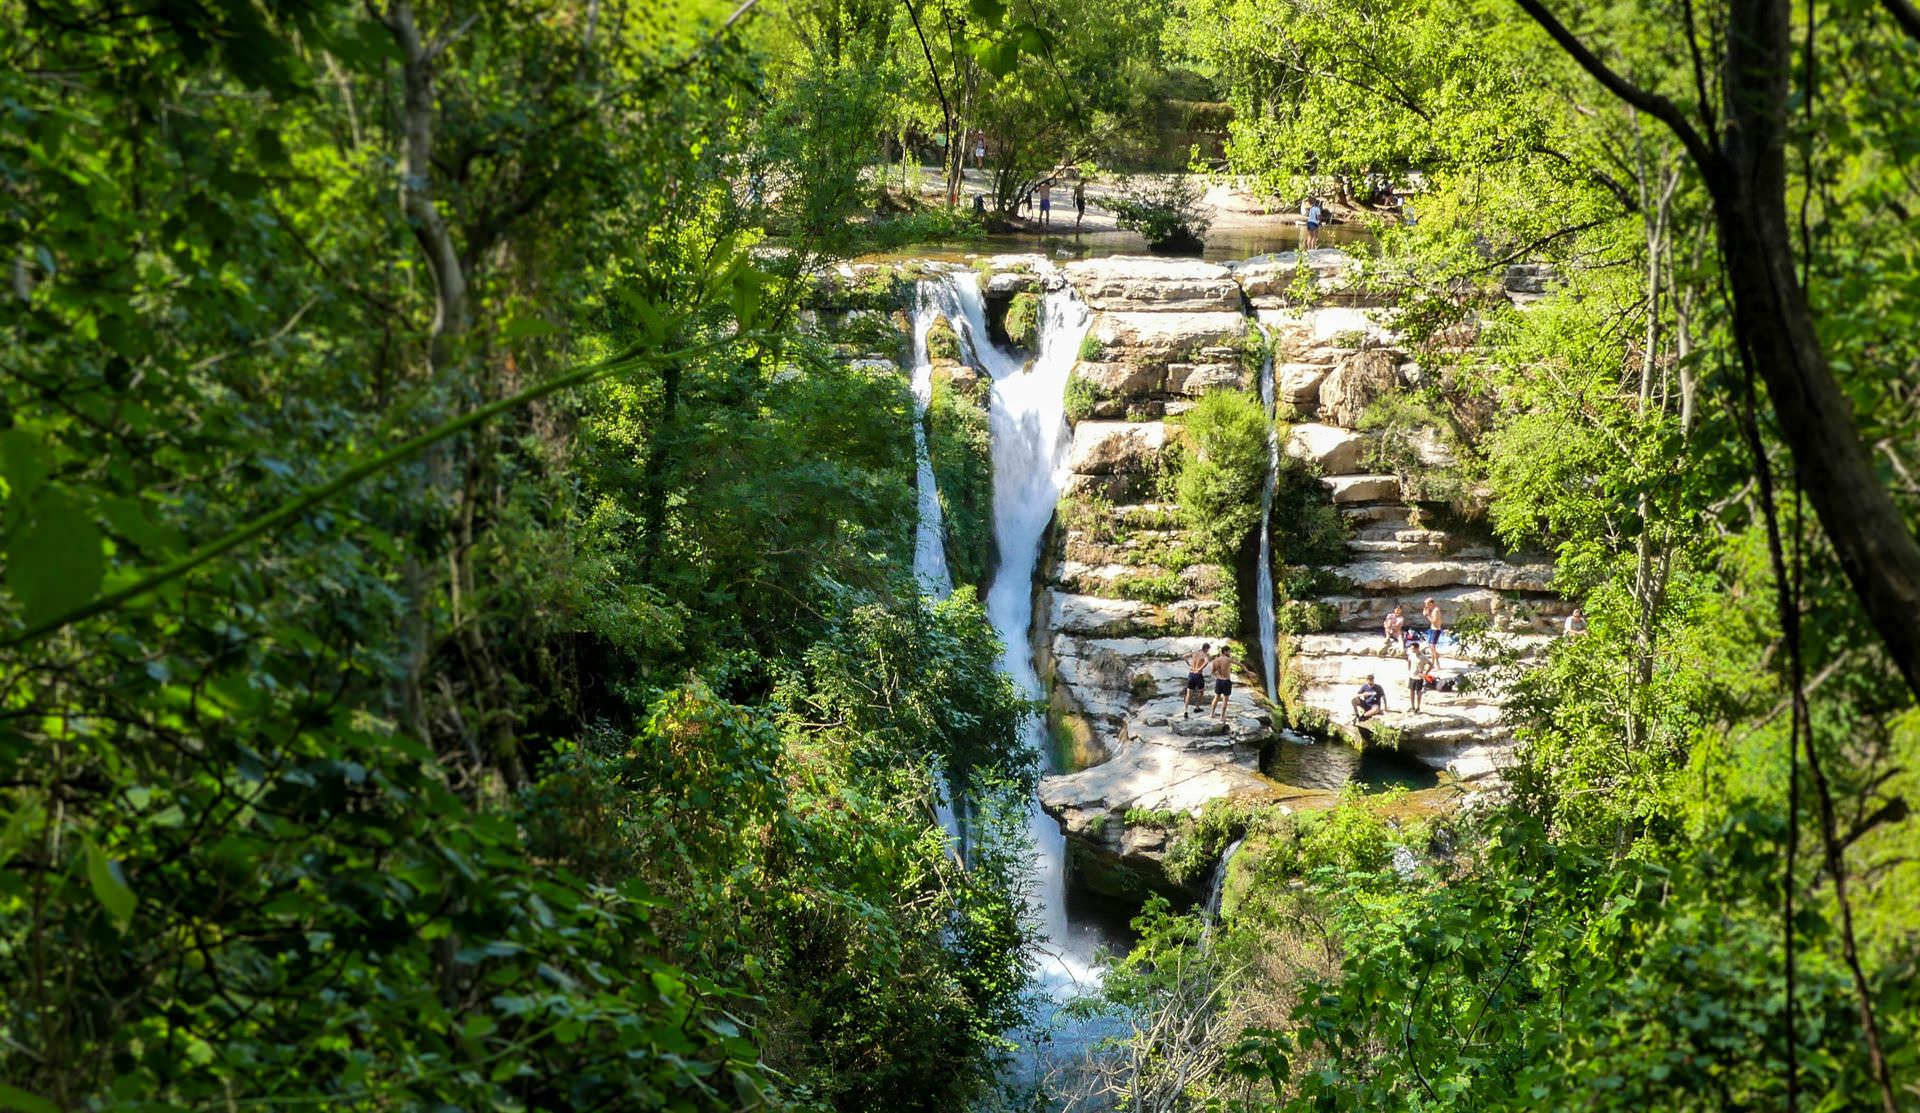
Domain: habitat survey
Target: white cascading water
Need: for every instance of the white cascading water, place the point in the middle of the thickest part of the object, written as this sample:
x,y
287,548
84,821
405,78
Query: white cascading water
x,y
1028,419
1028,423
1269,630
929,535
929,538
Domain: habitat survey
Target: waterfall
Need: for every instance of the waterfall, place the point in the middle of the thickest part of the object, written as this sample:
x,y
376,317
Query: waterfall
x,y
1269,629
930,533
929,538
1218,887
1028,421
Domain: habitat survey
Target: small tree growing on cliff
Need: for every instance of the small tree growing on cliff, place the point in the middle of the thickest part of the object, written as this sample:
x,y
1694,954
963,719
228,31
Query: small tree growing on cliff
x,y
1219,482
1166,211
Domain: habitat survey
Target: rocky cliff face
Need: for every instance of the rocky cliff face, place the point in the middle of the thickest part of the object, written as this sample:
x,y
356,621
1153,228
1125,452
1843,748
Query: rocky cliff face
x,y
1168,332
1125,598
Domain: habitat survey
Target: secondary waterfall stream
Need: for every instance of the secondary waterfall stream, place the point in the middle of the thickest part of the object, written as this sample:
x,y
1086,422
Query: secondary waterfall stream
x,y
1269,629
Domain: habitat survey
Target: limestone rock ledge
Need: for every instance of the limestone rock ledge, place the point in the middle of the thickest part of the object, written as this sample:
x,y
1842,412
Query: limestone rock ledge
x,y
1160,758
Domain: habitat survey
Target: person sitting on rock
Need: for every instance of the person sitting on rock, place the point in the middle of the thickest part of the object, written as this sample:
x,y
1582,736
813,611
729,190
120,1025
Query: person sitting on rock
x,y
1196,677
1371,701
1395,627
1222,668
1576,623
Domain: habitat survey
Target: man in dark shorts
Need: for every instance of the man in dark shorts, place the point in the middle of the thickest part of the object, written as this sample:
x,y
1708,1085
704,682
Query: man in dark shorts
x,y
1196,677
1222,669
1371,701
1416,675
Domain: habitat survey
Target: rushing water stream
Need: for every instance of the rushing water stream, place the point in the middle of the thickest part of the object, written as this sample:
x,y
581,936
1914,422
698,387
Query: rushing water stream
x,y
1030,437
1269,629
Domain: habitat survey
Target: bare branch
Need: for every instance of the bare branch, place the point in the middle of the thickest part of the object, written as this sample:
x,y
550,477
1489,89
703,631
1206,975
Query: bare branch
x,y
1653,104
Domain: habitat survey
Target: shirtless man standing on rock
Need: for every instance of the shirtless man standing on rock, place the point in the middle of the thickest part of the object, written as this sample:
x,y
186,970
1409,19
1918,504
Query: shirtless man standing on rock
x,y
1222,668
1196,677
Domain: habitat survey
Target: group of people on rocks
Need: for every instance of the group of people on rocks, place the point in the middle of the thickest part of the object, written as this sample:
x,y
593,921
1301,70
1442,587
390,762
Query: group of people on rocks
x,y
1420,647
1200,663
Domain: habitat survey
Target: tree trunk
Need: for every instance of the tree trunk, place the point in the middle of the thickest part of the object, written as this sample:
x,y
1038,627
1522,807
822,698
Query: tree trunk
x,y
450,310
1774,325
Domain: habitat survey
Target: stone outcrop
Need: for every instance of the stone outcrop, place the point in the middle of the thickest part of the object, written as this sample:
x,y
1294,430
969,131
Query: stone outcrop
x,y
1355,381
1115,447
1125,599
1125,283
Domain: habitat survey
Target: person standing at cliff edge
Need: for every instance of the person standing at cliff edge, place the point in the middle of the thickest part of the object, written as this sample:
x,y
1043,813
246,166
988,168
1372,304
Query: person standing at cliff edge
x,y
1196,677
1222,668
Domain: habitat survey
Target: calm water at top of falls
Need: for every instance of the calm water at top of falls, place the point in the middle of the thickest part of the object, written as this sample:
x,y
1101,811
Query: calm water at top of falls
x,y
1222,245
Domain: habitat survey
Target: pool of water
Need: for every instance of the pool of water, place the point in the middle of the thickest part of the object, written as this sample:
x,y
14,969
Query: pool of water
x,y
1236,241
1335,765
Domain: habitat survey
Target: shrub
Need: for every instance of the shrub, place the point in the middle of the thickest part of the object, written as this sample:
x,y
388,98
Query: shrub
x,y
1151,817
1091,350
1165,587
942,341
1081,397
1219,484
931,225
1397,420
1298,617
1023,319
1165,210
960,445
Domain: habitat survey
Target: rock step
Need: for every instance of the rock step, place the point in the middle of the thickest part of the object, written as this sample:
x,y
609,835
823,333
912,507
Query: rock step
x,y
1369,645
1390,546
1387,515
1407,575
1362,488
1536,613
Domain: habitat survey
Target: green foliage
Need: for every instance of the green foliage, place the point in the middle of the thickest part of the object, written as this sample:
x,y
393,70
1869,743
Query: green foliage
x,y
1218,485
1081,397
1165,209
1199,841
1023,318
929,226
1160,587
1402,423
961,447
1548,976
942,341
581,759
1091,349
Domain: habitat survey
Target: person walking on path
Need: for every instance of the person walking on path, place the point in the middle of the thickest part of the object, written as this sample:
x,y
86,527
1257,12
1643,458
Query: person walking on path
x,y
1222,669
1196,677
1046,203
1079,202
1371,702
1315,214
979,150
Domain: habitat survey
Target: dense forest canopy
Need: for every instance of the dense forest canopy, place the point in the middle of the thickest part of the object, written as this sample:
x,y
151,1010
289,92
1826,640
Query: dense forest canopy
x,y
459,635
